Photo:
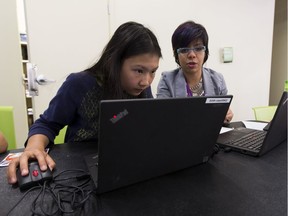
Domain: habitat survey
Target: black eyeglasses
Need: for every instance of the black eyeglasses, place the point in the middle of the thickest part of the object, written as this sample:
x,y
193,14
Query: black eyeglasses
x,y
187,50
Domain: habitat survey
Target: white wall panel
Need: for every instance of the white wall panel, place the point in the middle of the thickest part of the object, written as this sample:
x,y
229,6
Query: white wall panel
x,y
245,25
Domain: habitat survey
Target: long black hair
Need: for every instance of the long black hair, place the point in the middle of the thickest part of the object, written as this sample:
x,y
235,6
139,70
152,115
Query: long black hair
x,y
130,39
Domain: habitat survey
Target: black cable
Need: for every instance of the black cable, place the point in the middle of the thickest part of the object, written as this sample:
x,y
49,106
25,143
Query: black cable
x,y
25,194
65,194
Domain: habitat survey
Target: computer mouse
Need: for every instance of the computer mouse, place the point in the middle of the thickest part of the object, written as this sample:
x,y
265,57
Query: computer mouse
x,y
34,177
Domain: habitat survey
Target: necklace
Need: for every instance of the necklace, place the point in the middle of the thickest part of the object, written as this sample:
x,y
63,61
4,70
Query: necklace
x,y
196,90
197,86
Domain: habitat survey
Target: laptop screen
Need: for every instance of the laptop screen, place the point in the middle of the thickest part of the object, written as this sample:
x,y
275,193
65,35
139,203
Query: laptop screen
x,y
143,138
277,131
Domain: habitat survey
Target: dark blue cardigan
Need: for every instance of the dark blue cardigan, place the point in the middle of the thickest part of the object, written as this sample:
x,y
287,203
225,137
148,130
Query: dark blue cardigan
x,y
76,104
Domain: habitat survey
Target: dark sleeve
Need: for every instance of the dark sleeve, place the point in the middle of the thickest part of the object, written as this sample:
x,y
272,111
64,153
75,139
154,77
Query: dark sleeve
x,y
149,92
63,107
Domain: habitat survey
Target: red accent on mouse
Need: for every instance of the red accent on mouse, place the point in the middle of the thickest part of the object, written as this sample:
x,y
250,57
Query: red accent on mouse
x,y
35,173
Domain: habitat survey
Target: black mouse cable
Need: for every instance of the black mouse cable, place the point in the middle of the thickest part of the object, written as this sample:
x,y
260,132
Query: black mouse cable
x,y
77,196
58,196
61,191
39,202
24,195
83,183
45,189
83,178
57,193
60,203
49,190
79,193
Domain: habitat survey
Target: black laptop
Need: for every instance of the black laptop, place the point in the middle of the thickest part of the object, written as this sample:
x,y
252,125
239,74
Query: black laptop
x,y
141,139
258,142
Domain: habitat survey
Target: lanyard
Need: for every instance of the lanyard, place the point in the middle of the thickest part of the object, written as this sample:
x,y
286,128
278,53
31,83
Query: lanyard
x,y
189,92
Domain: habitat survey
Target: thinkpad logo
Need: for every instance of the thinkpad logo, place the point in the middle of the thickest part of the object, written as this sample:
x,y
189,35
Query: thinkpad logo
x,y
119,116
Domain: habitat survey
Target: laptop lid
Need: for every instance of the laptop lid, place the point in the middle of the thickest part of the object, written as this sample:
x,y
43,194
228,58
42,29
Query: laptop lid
x,y
143,138
274,134
277,130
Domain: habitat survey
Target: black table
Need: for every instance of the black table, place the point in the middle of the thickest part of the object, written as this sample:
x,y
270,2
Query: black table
x,y
229,184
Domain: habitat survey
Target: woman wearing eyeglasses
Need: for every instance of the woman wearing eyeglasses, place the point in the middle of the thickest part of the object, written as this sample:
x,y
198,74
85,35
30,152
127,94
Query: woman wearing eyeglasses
x,y
190,48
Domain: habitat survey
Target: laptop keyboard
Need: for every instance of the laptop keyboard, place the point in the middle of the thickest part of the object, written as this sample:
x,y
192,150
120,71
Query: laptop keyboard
x,y
251,141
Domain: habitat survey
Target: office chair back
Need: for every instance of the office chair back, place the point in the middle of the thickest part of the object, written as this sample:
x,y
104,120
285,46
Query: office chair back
x,y
7,125
60,139
264,113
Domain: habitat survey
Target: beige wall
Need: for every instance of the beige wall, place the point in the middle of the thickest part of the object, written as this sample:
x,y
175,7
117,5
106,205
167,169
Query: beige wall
x,y
246,26
11,88
279,52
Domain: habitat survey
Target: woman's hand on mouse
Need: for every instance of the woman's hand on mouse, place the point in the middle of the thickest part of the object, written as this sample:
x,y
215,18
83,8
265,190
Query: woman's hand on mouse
x,y
35,150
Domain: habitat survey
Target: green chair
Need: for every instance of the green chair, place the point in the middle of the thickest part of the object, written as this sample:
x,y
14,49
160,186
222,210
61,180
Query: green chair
x,y
264,113
7,125
61,136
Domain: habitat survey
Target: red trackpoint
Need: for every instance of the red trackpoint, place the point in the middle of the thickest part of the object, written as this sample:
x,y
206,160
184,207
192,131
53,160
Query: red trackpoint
x,y
35,173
